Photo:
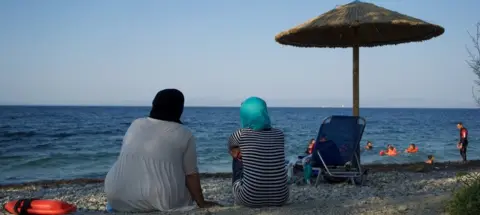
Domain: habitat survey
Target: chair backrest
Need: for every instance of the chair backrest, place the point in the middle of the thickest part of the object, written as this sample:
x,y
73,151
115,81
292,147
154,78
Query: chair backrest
x,y
345,131
330,153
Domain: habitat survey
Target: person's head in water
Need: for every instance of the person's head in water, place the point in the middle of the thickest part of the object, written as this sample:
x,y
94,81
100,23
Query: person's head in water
x,y
168,105
412,146
369,145
390,147
254,114
460,125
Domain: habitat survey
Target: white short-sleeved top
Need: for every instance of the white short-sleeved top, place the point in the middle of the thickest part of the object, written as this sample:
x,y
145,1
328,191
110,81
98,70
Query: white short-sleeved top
x,y
150,171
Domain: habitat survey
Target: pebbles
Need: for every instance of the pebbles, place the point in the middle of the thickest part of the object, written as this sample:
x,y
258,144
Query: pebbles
x,y
380,190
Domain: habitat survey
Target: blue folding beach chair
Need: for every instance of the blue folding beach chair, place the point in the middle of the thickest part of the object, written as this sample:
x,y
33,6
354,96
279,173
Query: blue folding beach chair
x,y
336,156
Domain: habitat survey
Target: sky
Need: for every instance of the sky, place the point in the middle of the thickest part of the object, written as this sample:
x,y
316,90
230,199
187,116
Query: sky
x,y
121,52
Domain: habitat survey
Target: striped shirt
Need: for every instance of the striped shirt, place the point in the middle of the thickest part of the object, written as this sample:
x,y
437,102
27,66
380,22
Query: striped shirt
x,y
264,177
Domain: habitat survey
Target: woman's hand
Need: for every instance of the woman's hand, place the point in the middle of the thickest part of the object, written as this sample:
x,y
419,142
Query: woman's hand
x,y
235,152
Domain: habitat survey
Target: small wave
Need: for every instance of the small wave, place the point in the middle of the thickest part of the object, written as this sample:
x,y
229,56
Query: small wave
x,y
57,159
26,134
117,137
16,134
10,157
62,135
41,146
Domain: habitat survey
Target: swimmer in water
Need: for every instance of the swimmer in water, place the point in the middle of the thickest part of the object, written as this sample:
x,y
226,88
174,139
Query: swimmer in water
x,y
430,159
391,148
369,145
391,151
412,148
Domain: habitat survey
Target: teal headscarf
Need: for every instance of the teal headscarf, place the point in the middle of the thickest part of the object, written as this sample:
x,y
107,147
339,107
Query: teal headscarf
x,y
254,114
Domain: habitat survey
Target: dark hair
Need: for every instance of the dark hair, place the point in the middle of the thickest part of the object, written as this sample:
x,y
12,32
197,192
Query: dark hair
x,y
459,123
168,105
430,157
413,145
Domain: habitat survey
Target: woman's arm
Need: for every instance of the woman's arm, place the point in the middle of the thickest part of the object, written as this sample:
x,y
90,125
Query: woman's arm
x,y
191,171
234,140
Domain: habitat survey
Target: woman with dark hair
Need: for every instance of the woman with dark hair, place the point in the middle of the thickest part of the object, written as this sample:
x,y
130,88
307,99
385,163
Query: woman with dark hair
x,y
259,174
157,165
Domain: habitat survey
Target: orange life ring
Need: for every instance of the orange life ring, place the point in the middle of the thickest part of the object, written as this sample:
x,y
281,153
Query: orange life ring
x,y
40,207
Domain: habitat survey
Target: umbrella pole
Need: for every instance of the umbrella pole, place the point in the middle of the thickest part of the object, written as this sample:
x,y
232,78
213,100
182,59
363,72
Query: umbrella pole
x,y
356,89
356,80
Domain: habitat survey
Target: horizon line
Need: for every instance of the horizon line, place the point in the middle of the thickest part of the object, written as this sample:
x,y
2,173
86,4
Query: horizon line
x,y
228,106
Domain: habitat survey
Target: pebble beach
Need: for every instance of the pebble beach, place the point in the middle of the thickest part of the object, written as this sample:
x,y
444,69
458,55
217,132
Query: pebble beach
x,y
406,189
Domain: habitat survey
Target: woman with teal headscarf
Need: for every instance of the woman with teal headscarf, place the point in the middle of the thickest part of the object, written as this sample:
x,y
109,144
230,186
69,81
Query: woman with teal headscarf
x,y
258,152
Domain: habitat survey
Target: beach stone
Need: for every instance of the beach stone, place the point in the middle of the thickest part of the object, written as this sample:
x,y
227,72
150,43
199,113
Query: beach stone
x,y
402,208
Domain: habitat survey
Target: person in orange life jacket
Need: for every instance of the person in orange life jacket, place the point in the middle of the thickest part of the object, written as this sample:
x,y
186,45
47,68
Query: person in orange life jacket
x,y
391,151
310,146
412,148
463,142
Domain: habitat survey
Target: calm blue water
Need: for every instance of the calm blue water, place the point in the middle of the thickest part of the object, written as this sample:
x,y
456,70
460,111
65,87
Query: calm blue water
x,y
38,143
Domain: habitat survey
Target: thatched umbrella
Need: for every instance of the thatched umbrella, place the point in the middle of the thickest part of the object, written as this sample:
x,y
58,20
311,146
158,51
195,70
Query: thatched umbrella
x,y
358,24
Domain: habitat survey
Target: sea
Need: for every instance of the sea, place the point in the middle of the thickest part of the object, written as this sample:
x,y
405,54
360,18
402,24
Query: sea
x,y
60,142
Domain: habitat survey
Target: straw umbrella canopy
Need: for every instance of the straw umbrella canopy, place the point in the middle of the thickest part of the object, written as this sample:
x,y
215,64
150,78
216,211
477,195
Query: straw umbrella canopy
x,y
358,24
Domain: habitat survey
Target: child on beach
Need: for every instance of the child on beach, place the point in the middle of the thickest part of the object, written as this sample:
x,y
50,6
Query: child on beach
x,y
412,148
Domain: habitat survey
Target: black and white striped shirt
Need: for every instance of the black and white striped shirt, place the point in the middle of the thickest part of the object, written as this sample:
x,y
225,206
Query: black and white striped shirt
x,y
264,179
